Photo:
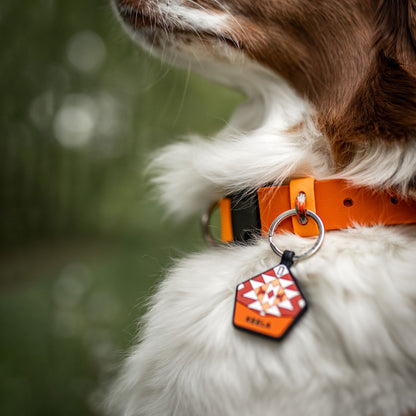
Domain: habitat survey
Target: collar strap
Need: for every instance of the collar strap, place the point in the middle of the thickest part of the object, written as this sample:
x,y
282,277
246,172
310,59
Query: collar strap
x,y
339,204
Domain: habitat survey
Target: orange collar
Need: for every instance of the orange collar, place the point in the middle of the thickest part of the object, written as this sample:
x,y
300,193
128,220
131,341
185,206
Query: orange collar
x,y
338,203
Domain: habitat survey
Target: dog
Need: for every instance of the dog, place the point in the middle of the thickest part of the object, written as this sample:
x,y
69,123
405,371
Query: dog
x,y
331,95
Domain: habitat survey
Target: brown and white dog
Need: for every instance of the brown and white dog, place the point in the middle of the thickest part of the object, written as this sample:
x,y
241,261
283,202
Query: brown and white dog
x,y
331,87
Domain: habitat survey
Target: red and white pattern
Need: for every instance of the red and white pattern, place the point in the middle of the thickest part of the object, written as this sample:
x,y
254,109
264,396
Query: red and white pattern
x,y
273,292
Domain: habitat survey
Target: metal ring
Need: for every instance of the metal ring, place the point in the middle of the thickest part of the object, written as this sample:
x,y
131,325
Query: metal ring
x,y
290,213
206,232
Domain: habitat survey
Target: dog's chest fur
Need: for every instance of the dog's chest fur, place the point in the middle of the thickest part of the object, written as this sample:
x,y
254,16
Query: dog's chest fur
x,y
354,351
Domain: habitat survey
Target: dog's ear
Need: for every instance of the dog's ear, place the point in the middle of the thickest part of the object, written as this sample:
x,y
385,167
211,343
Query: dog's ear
x,y
396,73
396,31
384,106
412,20
395,76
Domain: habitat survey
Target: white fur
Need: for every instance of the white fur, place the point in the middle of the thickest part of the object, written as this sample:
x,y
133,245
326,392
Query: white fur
x,y
385,166
175,13
253,150
352,353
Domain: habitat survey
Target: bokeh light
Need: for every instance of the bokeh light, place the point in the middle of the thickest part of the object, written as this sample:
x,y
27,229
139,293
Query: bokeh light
x,y
86,51
76,121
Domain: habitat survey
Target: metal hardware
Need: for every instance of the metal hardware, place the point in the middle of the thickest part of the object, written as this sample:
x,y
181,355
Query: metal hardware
x,y
290,213
206,232
300,206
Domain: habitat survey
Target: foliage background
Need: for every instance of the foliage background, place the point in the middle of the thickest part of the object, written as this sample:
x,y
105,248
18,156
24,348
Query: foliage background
x,y
82,242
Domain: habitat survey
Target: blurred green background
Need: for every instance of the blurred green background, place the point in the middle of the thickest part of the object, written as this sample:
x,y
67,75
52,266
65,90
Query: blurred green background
x,y
82,242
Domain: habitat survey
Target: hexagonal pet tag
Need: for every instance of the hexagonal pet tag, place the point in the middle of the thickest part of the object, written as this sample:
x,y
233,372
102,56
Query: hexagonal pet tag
x,y
271,302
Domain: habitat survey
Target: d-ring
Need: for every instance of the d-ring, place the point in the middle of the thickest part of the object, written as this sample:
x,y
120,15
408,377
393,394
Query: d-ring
x,y
206,232
287,214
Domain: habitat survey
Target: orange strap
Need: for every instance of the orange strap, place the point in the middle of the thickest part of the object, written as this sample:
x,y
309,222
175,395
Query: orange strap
x,y
226,220
337,203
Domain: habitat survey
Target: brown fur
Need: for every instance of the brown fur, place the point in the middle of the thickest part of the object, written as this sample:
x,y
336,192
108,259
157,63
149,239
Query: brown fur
x,y
354,60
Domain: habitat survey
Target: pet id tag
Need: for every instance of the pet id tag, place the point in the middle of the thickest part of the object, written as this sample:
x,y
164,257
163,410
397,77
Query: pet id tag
x,y
271,302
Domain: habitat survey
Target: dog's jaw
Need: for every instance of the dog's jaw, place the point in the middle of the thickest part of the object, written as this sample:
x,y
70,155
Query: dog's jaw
x,y
179,34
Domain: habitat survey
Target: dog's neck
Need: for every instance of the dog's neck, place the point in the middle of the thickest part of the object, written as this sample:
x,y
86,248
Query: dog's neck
x,y
272,138
343,104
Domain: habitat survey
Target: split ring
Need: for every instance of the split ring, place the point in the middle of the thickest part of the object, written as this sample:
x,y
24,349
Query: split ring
x,y
290,213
